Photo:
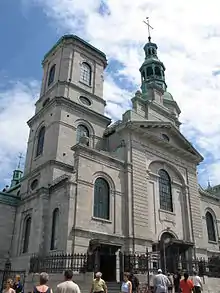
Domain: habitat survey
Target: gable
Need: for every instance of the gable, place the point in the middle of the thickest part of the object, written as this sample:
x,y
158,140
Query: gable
x,y
167,136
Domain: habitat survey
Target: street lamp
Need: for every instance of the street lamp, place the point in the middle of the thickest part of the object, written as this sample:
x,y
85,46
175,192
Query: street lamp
x,y
165,242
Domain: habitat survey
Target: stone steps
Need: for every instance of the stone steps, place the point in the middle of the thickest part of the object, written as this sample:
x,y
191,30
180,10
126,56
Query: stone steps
x,y
113,287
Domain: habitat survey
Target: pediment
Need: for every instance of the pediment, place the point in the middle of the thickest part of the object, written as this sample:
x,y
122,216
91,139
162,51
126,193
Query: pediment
x,y
165,134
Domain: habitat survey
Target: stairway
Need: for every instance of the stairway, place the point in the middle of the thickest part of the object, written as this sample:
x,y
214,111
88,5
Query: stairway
x,y
113,287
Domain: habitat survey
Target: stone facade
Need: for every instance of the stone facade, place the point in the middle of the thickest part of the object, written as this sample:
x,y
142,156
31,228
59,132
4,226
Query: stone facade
x,y
128,155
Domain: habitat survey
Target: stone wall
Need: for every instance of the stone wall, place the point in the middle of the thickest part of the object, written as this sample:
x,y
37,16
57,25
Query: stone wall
x,y
7,218
83,280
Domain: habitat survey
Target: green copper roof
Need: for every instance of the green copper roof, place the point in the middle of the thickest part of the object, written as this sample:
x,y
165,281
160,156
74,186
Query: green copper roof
x,y
73,37
167,96
9,199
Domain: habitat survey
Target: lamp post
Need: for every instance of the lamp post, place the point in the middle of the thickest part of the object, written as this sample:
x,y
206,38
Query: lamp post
x,y
165,242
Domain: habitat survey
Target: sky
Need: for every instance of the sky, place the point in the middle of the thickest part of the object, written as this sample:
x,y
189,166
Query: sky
x,y
188,37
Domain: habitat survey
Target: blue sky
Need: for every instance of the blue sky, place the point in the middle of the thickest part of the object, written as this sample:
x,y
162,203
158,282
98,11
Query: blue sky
x,y
29,28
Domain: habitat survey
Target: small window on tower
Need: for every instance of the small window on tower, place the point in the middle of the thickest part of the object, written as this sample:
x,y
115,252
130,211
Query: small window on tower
x,y
157,71
149,71
86,73
51,74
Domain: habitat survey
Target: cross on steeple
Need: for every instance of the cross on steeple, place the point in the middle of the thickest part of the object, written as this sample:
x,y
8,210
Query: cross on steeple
x,y
149,27
19,161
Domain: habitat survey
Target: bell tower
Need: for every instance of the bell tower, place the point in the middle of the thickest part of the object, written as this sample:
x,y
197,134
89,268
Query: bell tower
x,y
154,102
70,106
152,70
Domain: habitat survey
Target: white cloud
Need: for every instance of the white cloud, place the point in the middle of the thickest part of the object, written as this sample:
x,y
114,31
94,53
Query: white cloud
x,y
17,106
188,37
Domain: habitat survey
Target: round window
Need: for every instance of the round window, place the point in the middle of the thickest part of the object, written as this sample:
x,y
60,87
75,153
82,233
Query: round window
x,y
34,184
165,137
85,101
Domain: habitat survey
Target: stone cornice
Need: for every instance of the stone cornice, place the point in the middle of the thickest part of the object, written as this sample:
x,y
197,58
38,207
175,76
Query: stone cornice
x,y
80,149
205,194
191,155
9,199
62,101
76,41
59,182
59,164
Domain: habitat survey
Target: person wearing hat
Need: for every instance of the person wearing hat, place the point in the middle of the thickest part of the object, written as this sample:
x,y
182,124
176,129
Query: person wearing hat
x,y
161,282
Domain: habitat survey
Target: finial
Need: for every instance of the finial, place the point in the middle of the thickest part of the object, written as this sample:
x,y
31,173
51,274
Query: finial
x,y
19,161
149,27
209,185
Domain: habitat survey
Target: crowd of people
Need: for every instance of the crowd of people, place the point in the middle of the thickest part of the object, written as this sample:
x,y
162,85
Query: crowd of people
x,y
177,283
14,286
170,283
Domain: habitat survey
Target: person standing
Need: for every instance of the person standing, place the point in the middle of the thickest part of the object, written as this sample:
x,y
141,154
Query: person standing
x,y
126,286
68,286
8,287
170,287
197,283
17,284
42,287
161,283
135,283
98,284
186,285
176,281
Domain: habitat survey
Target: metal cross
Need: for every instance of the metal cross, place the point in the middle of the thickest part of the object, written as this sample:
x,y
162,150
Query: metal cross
x,y
149,27
19,162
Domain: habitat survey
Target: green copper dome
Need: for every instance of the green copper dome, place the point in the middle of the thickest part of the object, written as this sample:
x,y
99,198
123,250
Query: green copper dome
x,y
168,96
152,70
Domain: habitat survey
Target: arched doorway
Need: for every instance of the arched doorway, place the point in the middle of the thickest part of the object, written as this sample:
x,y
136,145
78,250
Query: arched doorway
x,y
168,254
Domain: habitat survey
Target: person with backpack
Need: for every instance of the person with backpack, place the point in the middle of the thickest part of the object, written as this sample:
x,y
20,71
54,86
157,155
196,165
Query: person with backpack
x,y
135,283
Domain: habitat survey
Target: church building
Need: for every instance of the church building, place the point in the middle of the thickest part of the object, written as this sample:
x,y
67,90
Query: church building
x,y
90,184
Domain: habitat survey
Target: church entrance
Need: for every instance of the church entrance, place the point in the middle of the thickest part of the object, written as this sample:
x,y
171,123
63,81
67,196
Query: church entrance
x,y
174,254
108,262
103,257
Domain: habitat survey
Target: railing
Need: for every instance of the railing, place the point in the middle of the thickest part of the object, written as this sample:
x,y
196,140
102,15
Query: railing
x,y
147,263
141,263
57,263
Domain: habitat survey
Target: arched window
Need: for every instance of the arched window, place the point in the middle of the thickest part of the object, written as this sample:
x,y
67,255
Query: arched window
x,y
80,132
101,199
165,192
40,141
210,227
55,229
27,232
143,75
149,71
157,71
51,75
86,73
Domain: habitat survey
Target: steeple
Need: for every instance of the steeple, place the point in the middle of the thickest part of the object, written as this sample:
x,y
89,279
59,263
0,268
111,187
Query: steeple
x,y
153,102
17,173
152,70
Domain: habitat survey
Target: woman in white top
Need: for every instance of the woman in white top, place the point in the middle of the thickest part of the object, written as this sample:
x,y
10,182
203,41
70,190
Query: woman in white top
x,y
197,283
126,286
8,287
